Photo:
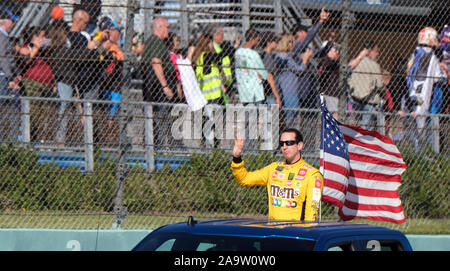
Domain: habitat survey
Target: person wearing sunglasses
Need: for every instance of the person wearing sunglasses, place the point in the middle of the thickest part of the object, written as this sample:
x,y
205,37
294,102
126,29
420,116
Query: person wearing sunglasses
x,y
294,187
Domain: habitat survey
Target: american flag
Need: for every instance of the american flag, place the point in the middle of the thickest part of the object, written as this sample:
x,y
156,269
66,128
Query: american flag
x,y
362,171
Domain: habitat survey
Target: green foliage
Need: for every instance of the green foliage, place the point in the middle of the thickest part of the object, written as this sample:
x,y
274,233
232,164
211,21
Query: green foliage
x,y
425,185
204,185
26,184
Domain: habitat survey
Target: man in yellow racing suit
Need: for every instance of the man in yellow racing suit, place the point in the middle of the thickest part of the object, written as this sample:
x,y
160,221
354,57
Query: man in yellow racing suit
x,y
294,187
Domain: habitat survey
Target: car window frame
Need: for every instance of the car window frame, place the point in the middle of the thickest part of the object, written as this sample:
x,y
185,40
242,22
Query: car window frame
x,y
180,243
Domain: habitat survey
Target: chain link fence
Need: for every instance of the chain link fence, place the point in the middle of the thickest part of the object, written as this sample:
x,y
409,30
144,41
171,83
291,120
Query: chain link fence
x,y
122,114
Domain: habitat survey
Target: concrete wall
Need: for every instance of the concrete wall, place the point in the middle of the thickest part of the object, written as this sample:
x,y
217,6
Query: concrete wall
x,y
125,240
69,240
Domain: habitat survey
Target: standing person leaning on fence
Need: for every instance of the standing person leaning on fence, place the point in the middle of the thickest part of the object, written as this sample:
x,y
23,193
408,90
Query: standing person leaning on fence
x,y
444,83
329,78
38,80
307,78
208,73
288,80
211,65
157,69
438,99
76,40
227,52
294,187
111,87
270,86
250,74
9,77
365,82
37,74
61,59
173,44
7,64
423,71
250,71
159,77
208,69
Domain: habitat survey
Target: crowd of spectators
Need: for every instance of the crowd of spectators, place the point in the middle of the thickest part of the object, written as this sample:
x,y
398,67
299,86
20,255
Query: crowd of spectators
x,y
58,60
67,62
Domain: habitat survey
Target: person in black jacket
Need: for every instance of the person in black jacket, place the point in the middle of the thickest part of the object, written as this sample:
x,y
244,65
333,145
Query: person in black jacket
x,y
62,61
329,78
65,75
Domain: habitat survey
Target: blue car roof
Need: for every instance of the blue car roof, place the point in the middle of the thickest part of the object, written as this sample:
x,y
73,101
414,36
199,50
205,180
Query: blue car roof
x,y
274,228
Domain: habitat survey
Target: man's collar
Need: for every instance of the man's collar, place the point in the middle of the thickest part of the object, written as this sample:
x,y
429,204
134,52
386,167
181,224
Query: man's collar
x,y
294,162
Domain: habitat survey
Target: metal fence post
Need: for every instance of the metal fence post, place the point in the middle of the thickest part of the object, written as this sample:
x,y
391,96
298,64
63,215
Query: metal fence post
x,y
278,18
343,59
125,118
149,147
381,123
184,27
435,128
245,19
88,137
26,136
148,17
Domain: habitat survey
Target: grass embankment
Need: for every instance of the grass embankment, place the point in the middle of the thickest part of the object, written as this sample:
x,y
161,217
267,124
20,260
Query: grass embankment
x,y
139,222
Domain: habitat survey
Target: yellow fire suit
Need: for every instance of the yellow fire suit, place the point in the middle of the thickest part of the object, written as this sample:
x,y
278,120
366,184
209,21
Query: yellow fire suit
x,y
294,190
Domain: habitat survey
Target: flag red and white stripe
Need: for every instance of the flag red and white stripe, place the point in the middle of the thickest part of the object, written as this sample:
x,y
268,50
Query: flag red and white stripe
x,y
364,183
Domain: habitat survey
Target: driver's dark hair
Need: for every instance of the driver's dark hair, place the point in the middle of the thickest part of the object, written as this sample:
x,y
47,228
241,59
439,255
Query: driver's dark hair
x,y
298,135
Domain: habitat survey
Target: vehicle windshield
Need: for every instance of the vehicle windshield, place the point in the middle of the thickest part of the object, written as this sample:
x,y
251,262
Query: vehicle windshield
x,y
191,242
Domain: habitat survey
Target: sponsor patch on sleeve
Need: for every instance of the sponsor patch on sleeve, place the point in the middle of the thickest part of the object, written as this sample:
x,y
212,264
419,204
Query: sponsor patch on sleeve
x,y
316,194
318,183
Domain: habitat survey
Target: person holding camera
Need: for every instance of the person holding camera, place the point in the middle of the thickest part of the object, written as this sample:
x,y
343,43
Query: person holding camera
x,y
302,46
303,37
329,77
111,87
288,71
